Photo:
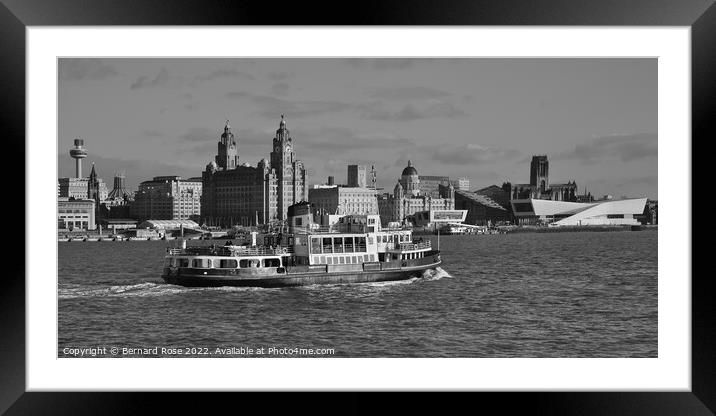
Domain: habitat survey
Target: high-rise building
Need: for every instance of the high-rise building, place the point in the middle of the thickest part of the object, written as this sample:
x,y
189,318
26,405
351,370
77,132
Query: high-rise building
x,y
357,176
167,198
241,194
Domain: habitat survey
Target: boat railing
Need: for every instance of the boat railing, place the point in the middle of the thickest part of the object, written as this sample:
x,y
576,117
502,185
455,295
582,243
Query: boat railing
x,y
416,246
231,251
357,248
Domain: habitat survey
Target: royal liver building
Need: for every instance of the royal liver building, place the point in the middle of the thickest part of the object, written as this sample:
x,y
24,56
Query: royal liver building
x,y
241,194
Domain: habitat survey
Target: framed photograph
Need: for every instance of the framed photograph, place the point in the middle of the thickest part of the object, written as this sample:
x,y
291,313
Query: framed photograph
x,y
452,199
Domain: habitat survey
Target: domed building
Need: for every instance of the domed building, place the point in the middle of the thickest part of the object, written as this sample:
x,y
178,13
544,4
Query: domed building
x,y
410,180
408,198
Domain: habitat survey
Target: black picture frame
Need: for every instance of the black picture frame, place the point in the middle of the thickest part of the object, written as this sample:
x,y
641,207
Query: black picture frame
x,y
16,15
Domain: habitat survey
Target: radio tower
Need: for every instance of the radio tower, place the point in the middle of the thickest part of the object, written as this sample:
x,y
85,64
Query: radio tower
x,y
78,153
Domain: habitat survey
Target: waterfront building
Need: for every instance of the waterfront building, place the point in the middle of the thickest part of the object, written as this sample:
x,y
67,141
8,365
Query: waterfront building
x,y
343,200
540,187
75,214
487,206
430,185
561,213
79,188
167,198
409,198
461,184
241,194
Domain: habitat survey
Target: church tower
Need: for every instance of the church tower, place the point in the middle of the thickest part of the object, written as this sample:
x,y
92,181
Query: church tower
x,y
228,154
539,172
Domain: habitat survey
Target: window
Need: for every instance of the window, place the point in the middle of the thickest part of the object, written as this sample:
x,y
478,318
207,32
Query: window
x,y
228,264
183,262
330,260
360,244
316,245
338,244
272,263
327,245
348,244
323,260
343,260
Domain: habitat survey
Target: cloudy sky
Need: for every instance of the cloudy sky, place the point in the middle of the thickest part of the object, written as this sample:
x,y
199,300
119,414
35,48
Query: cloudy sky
x,y
596,119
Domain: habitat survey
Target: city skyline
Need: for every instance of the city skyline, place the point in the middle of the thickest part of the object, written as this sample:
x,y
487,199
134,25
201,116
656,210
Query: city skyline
x,y
596,119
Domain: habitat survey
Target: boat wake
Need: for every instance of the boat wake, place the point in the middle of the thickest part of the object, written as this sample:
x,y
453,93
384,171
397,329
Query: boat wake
x,y
137,290
150,289
434,274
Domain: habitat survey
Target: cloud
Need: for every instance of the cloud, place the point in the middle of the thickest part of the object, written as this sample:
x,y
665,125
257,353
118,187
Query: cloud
x,y
280,88
471,154
201,134
153,133
145,82
224,73
409,93
341,140
79,69
409,112
279,75
272,107
625,147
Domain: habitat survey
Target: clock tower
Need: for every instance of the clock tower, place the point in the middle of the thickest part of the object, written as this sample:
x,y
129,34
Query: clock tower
x,y
290,174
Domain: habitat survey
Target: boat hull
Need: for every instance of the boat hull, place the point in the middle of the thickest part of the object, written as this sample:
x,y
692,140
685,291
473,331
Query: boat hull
x,y
197,278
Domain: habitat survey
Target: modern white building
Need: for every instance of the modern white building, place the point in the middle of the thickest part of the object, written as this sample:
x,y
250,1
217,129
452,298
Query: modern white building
x,y
559,213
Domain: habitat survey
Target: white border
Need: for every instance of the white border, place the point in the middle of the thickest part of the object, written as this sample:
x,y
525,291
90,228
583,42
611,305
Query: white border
x,y
671,371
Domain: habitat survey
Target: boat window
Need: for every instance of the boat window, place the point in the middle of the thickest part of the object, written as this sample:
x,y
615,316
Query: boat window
x,y
243,263
327,245
272,263
228,264
316,245
323,259
183,262
330,260
360,244
348,244
343,260
338,244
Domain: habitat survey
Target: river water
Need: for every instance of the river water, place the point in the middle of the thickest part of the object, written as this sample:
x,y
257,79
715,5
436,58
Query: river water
x,y
576,294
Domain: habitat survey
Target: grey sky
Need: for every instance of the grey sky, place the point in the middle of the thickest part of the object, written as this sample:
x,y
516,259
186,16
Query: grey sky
x,y
596,119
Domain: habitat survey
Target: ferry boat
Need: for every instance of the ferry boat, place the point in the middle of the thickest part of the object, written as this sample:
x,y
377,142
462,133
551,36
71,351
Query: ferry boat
x,y
355,249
